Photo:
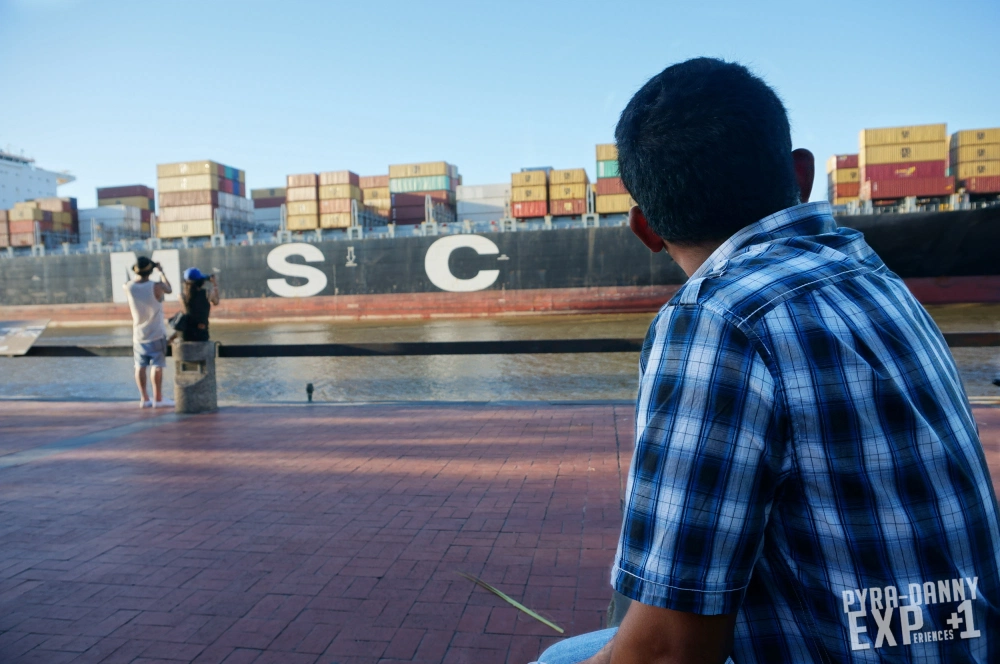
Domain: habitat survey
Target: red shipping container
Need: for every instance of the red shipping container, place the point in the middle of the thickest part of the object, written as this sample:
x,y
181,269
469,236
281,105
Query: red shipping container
x,y
125,191
438,196
144,215
408,213
335,205
847,161
226,185
568,207
848,189
609,186
179,198
525,209
28,226
373,181
268,202
881,189
989,184
22,239
4,228
905,170
3,215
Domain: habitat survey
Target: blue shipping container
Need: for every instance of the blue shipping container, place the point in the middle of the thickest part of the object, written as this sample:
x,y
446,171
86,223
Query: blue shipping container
x,y
422,183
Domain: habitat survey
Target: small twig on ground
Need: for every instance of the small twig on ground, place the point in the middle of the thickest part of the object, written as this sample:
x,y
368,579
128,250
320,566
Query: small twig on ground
x,y
517,605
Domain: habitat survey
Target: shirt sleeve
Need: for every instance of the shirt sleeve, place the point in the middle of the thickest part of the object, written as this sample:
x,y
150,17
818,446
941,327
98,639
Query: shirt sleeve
x,y
709,454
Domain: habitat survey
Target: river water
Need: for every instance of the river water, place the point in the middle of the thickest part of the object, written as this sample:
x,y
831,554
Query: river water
x,y
439,378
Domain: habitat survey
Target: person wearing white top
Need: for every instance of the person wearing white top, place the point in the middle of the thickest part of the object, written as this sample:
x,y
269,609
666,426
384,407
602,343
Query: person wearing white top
x,y
149,331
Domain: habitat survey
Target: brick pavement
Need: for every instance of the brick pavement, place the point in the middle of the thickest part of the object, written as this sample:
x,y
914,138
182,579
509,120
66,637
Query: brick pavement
x,y
310,534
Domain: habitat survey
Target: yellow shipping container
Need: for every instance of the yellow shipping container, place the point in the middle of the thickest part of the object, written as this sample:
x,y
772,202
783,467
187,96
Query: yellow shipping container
x,y
140,202
607,152
895,135
330,191
375,194
529,178
892,154
844,200
559,192
189,183
305,222
274,192
975,137
983,152
62,217
568,176
520,194
26,214
201,167
421,169
379,203
299,208
26,205
301,194
335,220
187,213
172,229
613,203
846,175
977,169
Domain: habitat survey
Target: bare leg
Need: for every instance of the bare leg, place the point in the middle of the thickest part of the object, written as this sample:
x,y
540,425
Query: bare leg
x,y
140,381
157,384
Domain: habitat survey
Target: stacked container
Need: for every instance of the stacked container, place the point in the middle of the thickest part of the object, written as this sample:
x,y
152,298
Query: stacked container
x,y
411,184
267,206
338,191
482,203
529,193
568,192
138,196
975,160
110,223
47,221
843,179
4,230
898,162
375,195
194,195
302,194
611,197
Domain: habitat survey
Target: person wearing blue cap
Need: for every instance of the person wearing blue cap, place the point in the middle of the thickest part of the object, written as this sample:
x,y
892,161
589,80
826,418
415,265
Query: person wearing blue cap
x,y
198,303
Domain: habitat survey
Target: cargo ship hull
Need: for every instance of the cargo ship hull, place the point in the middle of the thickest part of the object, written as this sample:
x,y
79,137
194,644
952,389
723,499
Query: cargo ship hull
x,y
944,256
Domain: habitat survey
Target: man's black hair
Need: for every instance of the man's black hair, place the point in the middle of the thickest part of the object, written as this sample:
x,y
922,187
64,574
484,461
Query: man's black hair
x,y
705,149
143,265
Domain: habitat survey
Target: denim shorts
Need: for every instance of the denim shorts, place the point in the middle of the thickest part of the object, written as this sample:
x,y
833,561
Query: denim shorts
x,y
151,353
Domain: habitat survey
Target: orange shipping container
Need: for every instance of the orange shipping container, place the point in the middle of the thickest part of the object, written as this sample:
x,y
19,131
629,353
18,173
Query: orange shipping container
x,y
338,177
303,180
568,207
331,205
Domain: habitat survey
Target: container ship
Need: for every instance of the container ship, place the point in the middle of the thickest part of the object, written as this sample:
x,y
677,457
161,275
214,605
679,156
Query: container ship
x,y
417,242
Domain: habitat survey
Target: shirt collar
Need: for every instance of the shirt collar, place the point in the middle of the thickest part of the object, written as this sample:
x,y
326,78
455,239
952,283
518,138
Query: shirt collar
x,y
805,219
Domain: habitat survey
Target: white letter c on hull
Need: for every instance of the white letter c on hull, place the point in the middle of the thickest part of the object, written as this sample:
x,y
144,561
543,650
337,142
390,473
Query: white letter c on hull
x,y
436,263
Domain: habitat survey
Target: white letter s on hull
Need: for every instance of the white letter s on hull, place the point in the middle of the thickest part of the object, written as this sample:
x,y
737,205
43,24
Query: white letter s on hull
x,y
436,263
315,278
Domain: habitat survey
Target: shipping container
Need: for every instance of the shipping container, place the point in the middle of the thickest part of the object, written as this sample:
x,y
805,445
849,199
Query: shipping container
x,y
329,191
607,152
28,214
568,207
839,161
22,239
176,229
523,194
305,222
189,198
55,204
378,203
843,175
62,217
28,225
445,197
188,183
608,169
300,208
529,209
975,137
907,135
302,180
4,240
568,176
339,177
608,186
848,189
984,152
331,205
567,191
613,204
408,213
261,203
228,186
423,183
529,178
140,202
373,181
188,168
472,192
125,191
335,220
844,200
3,215
888,154
986,185
470,209
905,170
375,193
892,189
273,192
424,169
977,169
307,193
187,213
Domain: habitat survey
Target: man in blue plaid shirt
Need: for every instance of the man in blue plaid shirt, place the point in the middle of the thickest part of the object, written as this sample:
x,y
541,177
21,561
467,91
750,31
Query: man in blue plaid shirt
x,y
808,483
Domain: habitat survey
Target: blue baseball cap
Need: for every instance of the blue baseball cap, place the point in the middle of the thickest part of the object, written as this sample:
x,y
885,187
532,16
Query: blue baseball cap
x,y
193,274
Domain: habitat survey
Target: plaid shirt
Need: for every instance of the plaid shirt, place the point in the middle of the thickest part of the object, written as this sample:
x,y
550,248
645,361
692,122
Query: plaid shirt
x,y
806,456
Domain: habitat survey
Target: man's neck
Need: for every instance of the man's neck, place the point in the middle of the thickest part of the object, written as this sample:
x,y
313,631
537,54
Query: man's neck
x,y
690,256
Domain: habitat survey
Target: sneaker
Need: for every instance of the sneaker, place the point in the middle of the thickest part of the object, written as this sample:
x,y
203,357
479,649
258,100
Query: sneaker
x,y
145,404
165,403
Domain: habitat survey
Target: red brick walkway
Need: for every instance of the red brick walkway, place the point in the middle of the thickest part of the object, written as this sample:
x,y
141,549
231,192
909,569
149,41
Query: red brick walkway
x,y
322,534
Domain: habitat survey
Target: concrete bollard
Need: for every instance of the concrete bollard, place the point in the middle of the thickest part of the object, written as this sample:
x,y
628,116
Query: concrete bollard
x,y
195,389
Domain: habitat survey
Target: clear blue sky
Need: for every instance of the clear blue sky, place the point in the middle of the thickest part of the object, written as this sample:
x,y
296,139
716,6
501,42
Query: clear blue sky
x,y
109,89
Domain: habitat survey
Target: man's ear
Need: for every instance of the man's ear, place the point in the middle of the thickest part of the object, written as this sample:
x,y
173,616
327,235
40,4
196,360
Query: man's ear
x,y
637,222
805,172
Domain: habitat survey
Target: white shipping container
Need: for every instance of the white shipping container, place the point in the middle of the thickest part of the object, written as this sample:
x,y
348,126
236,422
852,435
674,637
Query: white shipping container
x,y
267,214
469,207
109,221
235,202
469,192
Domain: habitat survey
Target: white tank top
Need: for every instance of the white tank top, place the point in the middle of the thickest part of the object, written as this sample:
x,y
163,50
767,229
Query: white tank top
x,y
147,312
